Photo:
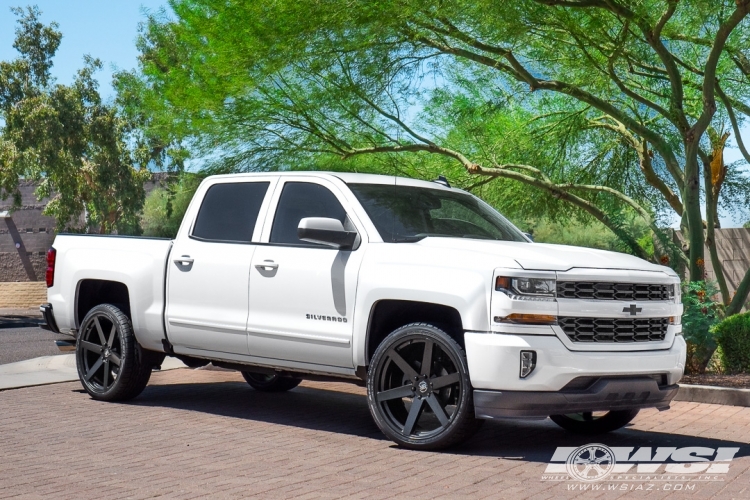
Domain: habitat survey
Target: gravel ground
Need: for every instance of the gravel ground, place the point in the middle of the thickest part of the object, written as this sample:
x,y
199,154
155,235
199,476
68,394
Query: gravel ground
x,y
740,381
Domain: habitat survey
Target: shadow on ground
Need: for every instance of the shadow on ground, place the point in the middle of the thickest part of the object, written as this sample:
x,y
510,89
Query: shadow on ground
x,y
346,413
20,321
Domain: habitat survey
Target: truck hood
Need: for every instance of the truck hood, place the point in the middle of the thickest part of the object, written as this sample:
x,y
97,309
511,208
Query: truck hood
x,y
548,257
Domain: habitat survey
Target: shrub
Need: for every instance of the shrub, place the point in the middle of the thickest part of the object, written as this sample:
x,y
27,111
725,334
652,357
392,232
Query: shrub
x,y
700,315
733,336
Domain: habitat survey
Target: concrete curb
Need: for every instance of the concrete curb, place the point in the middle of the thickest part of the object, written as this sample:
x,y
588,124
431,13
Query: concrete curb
x,y
51,370
714,395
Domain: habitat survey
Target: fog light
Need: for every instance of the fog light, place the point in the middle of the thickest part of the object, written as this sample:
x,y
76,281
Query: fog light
x,y
528,363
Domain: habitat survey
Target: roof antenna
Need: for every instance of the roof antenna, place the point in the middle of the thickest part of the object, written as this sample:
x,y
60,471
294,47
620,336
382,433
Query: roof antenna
x,y
442,180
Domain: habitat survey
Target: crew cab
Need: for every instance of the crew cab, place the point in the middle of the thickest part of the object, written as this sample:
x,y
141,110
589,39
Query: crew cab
x,y
423,293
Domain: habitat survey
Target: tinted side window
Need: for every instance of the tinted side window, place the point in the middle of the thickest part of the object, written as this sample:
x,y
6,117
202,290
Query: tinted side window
x,y
229,211
299,200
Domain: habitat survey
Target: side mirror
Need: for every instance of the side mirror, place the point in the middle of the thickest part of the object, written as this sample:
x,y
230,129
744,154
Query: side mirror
x,y
326,231
529,236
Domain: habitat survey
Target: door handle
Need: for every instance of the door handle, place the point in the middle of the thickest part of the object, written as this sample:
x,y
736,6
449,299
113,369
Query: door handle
x,y
266,265
184,260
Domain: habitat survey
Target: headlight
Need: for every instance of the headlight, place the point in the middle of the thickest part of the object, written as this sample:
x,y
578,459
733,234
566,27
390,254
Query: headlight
x,y
527,287
677,292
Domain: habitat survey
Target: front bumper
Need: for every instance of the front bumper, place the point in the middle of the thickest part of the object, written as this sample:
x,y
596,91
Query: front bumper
x,y
603,395
494,362
616,379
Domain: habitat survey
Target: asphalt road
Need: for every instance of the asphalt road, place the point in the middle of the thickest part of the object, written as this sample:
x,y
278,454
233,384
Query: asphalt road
x,y
18,344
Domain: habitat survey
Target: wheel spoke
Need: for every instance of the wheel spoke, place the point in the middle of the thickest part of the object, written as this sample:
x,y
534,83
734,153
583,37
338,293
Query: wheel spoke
x,y
114,358
111,335
99,330
404,391
93,369
438,410
401,363
106,374
445,380
89,346
426,367
411,420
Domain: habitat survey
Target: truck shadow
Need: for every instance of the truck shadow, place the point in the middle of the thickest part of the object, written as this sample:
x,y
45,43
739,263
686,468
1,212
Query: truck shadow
x,y
347,413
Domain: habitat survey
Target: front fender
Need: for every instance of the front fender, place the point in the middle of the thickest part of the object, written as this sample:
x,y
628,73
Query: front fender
x,y
466,291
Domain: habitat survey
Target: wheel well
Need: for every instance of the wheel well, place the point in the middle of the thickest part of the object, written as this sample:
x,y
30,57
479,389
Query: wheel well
x,y
91,293
388,315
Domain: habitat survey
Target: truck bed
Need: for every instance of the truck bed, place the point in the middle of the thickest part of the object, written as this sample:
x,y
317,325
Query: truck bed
x,y
138,262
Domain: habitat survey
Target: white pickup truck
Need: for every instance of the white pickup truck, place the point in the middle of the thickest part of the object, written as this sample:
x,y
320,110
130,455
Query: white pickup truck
x,y
423,293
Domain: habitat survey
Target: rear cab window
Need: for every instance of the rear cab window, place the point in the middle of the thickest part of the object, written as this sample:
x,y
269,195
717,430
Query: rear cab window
x,y
229,212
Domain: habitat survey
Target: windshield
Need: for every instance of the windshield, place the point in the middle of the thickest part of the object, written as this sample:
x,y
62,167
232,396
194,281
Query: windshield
x,y
407,213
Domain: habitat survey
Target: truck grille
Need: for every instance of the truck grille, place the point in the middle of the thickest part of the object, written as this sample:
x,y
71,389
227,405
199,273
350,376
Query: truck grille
x,y
613,291
614,329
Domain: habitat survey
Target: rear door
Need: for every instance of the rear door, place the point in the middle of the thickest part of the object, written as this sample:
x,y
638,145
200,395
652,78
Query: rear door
x,y
302,294
209,266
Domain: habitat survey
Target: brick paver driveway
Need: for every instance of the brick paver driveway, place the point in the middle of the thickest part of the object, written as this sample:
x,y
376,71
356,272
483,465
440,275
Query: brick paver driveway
x,y
197,433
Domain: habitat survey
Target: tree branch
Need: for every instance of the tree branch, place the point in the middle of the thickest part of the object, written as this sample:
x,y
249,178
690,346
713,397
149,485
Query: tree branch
x,y
709,81
740,296
646,164
733,119
523,75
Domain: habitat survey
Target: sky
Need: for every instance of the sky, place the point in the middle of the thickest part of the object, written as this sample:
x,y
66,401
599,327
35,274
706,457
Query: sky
x,y
107,29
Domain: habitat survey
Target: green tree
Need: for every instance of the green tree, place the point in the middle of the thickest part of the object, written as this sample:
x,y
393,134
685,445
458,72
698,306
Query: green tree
x,y
65,137
615,109
166,206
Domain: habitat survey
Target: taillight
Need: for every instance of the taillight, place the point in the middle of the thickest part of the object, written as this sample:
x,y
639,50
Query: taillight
x,y
51,256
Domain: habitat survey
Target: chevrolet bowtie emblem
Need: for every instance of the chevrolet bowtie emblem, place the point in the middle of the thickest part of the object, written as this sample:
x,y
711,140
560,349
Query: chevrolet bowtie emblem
x,y
632,309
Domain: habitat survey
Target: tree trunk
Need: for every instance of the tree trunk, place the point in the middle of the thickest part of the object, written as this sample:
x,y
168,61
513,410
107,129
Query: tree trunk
x,y
692,202
711,216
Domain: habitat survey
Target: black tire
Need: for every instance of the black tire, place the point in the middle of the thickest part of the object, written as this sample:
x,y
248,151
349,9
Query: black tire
x,y
396,382
589,423
270,383
112,366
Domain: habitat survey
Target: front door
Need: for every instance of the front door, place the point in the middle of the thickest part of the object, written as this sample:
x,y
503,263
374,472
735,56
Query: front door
x,y
302,294
209,269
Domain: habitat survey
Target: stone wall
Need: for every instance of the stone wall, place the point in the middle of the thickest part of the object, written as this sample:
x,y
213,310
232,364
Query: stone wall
x,y
23,295
11,267
37,232
733,247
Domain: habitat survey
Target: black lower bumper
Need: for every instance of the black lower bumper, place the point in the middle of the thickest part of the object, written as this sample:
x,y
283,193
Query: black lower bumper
x,y
603,395
49,318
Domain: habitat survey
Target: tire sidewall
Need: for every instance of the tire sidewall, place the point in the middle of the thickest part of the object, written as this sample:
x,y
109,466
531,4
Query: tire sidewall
x,y
128,347
465,406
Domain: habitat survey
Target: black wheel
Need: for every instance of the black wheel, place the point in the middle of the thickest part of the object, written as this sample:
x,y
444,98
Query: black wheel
x,y
594,422
418,389
111,364
270,382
